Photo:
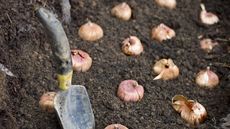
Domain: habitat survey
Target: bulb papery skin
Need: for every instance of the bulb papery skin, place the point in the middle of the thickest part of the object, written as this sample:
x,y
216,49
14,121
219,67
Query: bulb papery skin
x,y
178,102
116,126
194,114
207,79
122,11
207,18
130,91
166,69
81,60
90,32
132,46
198,109
170,4
162,32
46,102
191,111
207,45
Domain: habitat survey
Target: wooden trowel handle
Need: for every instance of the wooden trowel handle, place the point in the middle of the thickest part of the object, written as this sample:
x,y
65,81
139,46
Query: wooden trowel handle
x,y
60,46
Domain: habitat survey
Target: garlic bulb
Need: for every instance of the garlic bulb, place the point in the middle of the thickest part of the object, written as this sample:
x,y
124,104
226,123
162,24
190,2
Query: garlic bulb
x,y
171,4
207,45
166,69
81,60
132,46
122,11
162,32
90,31
207,78
191,111
46,102
130,91
207,18
116,126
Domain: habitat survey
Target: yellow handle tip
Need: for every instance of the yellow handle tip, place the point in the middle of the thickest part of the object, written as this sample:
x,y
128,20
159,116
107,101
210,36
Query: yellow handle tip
x,y
64,80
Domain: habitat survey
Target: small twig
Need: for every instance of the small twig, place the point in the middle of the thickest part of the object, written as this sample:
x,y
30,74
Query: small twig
x,y
44,3
9,18
157,17
222,64
66,15
6,70
224,40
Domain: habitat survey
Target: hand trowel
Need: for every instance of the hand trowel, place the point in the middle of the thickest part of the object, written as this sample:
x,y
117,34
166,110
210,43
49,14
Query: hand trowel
x,y
72,104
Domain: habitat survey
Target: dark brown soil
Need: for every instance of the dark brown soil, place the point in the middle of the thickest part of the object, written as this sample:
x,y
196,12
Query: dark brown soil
x,y
25,50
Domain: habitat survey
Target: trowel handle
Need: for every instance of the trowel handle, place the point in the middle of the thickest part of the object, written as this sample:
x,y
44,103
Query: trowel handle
x,y
60,46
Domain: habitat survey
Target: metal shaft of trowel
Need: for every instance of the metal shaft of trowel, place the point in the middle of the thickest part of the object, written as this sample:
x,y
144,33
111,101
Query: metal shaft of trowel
x,y
60,47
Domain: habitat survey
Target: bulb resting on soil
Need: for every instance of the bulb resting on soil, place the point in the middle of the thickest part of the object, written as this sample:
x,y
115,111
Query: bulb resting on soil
x,y
191,111
130,91
162,32
81,60
132,46
207,78
90,31
170,4
207,45
166,69
207,18
46,102
122,11
116,126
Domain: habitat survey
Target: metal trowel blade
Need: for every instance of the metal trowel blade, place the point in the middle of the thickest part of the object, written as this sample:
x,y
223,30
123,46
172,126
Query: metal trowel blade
x,y
73,108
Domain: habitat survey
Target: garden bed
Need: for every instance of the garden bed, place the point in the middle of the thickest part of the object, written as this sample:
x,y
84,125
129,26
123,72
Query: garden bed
x,y
25,50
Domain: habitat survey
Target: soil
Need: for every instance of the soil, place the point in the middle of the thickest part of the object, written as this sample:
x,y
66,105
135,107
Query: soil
x,y
25,50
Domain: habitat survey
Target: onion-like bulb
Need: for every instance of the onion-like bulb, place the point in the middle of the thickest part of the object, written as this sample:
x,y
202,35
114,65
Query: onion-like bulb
x,y
166,69
90,31
162,32
207,45
130,91
191,111
122,11
132,46
116,126
207,18
81,60
46,102
170,4
207,78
